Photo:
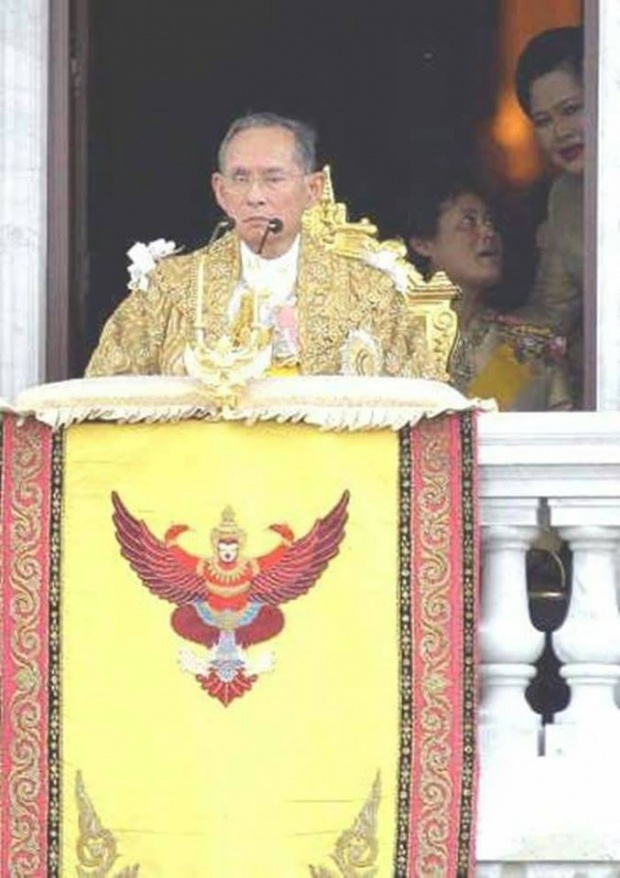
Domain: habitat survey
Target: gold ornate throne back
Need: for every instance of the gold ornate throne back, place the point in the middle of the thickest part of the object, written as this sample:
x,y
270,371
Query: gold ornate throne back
x,y
433,321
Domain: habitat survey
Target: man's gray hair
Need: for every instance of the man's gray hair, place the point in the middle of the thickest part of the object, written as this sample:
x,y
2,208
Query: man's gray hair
x,y
304,134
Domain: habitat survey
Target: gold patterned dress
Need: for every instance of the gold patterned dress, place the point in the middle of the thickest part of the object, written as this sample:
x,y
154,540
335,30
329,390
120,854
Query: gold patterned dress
x,y
520,365
557,296
335,295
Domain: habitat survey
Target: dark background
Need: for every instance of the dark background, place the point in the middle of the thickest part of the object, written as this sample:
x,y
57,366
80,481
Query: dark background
x,y
395,90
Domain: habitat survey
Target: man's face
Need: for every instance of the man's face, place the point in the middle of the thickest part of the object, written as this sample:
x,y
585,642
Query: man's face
x,y
227,551
466,246
262,180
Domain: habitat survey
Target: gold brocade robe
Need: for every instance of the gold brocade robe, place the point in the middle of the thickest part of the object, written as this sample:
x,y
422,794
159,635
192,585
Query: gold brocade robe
x,y
557,296
148,332
558,289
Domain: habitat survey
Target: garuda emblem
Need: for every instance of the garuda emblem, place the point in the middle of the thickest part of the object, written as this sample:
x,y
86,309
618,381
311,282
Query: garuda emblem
x,y
226,601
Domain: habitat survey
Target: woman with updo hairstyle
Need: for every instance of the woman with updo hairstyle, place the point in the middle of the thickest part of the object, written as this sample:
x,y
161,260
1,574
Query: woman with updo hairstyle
x,y
451,227
549,86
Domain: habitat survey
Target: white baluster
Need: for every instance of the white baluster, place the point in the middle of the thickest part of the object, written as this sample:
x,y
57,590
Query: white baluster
x,y
554,816
589,645
509,643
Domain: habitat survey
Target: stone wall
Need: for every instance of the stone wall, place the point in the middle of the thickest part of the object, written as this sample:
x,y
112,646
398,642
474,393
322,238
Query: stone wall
x,y
23,144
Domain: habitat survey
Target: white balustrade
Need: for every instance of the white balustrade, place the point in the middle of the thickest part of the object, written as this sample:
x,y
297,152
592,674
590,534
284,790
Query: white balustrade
x,y
550,796
509,644
548,870
589,641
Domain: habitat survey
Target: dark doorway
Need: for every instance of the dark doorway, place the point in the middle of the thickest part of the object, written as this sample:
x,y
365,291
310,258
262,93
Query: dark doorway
x,y
392,88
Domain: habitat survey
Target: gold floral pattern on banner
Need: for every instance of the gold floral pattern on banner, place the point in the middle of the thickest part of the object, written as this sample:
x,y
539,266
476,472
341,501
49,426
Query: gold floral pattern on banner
x,y
96,847
24,509
357,848
435,723
438,547
438,610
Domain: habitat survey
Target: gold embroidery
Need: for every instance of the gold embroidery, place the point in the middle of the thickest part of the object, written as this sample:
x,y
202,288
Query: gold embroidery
x,y
335,296
438,574
435,724
340,287
430,303
357,849
222,270
327,221
96,847
25,574
430,323
463,365
146,335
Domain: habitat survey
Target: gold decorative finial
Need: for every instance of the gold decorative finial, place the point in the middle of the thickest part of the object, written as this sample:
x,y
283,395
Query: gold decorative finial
x,y
226,368
433,321
328,186
96,847
357,849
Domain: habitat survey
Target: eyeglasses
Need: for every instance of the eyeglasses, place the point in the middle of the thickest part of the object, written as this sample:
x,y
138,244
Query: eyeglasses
x,y
273,181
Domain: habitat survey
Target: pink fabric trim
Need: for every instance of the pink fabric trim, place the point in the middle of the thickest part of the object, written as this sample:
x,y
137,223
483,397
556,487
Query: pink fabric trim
x,y
24,596
437,625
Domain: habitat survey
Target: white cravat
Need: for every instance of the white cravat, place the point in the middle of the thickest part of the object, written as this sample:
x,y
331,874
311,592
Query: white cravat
x,y
277,275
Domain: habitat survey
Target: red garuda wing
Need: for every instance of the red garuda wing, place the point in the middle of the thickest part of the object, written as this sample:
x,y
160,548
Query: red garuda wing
x,y
304,561
154,561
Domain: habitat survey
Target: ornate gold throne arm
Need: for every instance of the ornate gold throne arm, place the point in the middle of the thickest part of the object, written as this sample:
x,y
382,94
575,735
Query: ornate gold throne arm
x,y
433,322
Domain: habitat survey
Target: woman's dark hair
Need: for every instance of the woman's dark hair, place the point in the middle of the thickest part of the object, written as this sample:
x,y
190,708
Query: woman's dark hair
x,y
425,204
561,48
427,200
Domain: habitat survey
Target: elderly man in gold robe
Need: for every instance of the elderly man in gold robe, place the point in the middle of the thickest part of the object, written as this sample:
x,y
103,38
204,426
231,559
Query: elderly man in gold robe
x,y
268,270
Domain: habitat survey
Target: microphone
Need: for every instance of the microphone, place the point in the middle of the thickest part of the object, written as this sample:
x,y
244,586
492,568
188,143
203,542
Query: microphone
x,y
224,225
274,226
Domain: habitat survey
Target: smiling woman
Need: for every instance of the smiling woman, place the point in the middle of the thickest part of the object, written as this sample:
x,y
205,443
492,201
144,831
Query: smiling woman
x,y
557,115
549,84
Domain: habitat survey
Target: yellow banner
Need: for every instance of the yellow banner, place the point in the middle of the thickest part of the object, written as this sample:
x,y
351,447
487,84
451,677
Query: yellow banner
x,y
268,786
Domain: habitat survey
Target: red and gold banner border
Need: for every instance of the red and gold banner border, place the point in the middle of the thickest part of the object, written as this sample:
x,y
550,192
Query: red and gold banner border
x,y
28,726
438,611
